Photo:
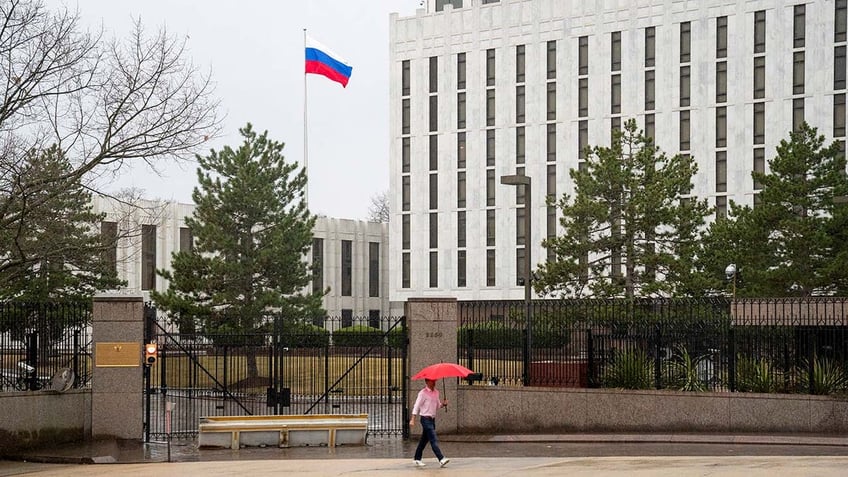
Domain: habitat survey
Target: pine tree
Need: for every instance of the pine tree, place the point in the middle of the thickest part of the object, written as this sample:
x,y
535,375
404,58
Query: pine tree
x,y
628,230
252,231
793,241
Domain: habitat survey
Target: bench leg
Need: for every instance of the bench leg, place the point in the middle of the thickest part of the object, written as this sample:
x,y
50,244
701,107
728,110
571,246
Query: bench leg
x,y
234,442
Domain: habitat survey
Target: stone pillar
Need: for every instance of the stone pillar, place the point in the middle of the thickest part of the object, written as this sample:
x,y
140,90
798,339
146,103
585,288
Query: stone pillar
x,y
117,384
431,324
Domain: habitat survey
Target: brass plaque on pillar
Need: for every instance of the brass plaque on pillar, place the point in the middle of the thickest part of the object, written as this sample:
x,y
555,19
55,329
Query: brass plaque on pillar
x,y
117,355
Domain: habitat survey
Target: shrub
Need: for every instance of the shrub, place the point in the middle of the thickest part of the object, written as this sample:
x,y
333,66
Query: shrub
x,y
630,370
358,336
396,338
304,335
828,377
490,335
683,371
756,376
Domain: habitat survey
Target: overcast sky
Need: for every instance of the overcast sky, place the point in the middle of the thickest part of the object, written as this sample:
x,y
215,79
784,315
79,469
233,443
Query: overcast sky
x,y
255,52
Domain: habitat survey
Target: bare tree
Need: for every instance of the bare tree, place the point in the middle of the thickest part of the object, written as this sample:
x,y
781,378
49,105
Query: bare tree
x,y
101,103
378,211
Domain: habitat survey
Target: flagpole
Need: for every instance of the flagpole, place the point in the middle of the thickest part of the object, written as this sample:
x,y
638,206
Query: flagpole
x,y
305,136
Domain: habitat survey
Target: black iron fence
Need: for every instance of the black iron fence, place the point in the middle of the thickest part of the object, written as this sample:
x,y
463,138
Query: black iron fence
x,y
40,340
714,344
333,366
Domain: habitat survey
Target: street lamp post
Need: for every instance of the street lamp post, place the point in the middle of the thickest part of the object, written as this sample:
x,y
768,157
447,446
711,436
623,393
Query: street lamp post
x,y
522,180
730,272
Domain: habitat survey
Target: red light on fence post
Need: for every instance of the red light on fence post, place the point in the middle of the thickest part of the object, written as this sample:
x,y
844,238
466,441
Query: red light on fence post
x,y
151,351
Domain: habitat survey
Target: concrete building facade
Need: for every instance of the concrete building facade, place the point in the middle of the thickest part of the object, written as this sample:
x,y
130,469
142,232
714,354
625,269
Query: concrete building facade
x,y
481,89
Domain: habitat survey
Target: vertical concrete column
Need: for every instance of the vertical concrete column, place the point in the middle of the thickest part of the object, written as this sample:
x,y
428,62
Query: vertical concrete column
x,y
431,324
117,384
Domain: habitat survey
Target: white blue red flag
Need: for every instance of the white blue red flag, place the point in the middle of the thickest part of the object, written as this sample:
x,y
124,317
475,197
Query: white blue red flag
x,y
320,60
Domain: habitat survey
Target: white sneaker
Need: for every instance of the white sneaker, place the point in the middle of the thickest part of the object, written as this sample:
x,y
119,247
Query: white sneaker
x,y
418,463
444,462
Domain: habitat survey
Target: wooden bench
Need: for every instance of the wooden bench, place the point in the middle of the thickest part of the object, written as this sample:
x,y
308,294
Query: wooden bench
x,y
283,431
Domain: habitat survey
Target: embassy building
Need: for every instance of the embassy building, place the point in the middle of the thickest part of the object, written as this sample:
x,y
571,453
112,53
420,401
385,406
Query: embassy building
x,y
481,89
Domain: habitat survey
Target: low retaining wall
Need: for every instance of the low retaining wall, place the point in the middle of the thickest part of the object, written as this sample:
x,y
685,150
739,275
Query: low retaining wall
x,y
534,410
37,419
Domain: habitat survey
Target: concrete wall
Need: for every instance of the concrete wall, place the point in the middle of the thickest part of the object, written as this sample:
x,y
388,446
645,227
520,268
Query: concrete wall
x,y
43,418
489,409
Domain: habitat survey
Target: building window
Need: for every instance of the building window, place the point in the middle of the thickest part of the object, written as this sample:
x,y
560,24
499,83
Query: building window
x,y
721,37
797,113
615,51
582,138
583,98
649,126
519,191
406,186
460,268
441,4
615,126
721,82
839,68
551,101
519,266
685,42
460,189
434,191
760,31
404,117
798,73
759,165
759,123
460,111
519,145
650,90
404,270
434,74
721,207
404,78
760,77
519,64
583,56
373,269
650,46
460,150
434,269
490,107
433,152
347,267
490,268
490,228
347,318
490,187
615,94
148,257
317,265
405,231
685,86
684,130
434,113
374,319
551,59
186,240
404,154
839,26
519,104
721,127
490,67
460,71
721,171
550,188
839,115
460,229
109,237
490,147
520,215
434,230
799,26
551,142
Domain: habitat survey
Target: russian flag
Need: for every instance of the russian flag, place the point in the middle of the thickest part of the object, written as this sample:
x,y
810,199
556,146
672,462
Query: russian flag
x,y
320,60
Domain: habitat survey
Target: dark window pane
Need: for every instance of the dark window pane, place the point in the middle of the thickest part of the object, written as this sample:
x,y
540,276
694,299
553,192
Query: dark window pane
x,y
434,191
373,269
798,73
406,193
404,117
615,94
551,142
839,26
759,77
583,56
759,123
460,150
615,51
519,64
721,82
490,187
760,31
759,165
460,111
109,237
839,115
347,318
685,86
490,228
685,42
684,130
721,37
490,147
460,71
433,152
721,127
797,113
434,74
148,257
405,154
460,268
460,189
839,68
490,107
650,46
434,113
405,266
406,227
490,268
519,145
317,265
583,99
650,90
460,229
519,104
347,267
799,26
490,67
721,171
404,68
551,59
434,230
551,101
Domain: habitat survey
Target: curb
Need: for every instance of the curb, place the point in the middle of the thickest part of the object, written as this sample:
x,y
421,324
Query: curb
x,y
795,440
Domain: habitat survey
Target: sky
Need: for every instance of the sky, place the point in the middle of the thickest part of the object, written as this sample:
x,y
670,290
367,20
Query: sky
x,y
254,51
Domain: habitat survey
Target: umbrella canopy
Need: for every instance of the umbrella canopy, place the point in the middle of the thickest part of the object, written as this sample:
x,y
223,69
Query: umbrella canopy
x,y
443,370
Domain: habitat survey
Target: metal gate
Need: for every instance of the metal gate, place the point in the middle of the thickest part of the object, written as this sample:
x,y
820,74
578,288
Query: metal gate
x,y
333,366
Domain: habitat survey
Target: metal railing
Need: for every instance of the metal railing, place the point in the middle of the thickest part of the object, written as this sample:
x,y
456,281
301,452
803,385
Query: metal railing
x,y
711,344
39,340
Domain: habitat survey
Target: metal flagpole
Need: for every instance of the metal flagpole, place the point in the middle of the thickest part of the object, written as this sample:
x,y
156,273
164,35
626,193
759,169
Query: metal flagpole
x,y
305,136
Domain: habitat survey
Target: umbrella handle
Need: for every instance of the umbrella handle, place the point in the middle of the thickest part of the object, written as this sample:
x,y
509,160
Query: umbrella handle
x,y
444,390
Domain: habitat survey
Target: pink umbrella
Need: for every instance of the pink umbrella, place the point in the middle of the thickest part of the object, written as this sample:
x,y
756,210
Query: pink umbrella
x,y
443,370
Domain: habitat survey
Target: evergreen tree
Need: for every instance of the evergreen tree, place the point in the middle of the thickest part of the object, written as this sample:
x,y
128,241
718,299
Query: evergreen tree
x,y
627,231
252,230
793,241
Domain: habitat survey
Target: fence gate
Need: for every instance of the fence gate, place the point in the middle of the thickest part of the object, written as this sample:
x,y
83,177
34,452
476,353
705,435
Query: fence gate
x,y
329,367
